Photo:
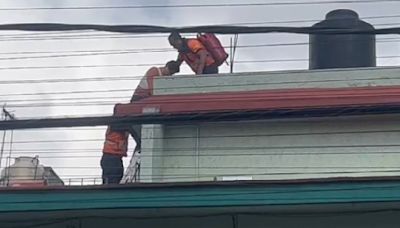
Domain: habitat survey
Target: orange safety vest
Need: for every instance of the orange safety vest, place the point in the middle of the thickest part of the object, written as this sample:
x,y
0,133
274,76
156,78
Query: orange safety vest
x,y
116,142
192,58
146,85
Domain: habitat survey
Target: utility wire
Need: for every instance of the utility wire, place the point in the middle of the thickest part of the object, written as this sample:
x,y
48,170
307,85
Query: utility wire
x,y
130,65
174,100
145,29
139,77
225,5
316,133
39,34
122,36
130,36
154,50
67,92
127,36
112,102
244,167
86,154
191,117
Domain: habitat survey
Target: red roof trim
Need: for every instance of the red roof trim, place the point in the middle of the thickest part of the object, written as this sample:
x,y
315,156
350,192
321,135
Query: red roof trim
x,y
264,100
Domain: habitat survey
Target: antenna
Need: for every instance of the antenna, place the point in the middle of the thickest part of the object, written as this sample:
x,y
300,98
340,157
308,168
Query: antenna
x,y
233,51
6,115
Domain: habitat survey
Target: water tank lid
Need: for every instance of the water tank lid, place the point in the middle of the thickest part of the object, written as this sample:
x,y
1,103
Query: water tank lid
x,y
342,14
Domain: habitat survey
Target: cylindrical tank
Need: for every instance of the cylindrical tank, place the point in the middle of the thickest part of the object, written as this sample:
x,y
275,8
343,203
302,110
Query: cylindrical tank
x,y
24,168
342,51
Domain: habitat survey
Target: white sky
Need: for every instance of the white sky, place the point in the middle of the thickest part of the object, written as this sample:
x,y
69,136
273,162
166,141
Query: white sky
x,y
11,41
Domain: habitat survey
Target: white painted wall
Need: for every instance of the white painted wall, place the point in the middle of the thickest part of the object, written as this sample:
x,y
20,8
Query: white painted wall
x,y
284,149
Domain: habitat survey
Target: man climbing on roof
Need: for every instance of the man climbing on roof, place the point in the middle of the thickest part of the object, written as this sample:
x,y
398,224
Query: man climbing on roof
x,y
116,142
146,85
195,53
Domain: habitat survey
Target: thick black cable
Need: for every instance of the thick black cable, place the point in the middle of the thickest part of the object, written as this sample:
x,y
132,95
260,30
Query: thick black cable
x,y
126,36
200,5
140,29
192,118
122,36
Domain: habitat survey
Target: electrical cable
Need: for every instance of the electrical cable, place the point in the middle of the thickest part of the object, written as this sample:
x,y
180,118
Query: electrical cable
x,y
146,65
145,29
225,5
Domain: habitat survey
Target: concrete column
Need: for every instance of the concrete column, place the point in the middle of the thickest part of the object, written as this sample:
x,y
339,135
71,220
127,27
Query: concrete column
x,y
152,150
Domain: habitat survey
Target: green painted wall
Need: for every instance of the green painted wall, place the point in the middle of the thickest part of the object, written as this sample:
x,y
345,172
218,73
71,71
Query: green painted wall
x,y
201,196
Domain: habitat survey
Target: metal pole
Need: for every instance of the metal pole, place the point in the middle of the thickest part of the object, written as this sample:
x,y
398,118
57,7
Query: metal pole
x,y
233,52
6,114
10,151
231,55
2,147
4,117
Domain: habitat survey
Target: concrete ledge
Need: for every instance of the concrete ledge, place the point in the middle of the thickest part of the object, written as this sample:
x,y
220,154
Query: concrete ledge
x,y
333,78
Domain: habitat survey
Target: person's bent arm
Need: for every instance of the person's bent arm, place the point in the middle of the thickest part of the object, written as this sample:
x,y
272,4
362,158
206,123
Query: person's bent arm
x,y
202,61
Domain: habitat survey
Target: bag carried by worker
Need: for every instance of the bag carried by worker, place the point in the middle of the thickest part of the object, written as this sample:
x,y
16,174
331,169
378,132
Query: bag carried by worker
x,y
214,47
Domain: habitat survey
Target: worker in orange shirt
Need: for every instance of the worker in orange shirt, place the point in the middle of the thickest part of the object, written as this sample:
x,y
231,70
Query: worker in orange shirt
x,y
193,52
115,147
146,85
116,142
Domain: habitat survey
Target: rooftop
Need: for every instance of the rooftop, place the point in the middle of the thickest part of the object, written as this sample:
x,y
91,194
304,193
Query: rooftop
x,y
366,90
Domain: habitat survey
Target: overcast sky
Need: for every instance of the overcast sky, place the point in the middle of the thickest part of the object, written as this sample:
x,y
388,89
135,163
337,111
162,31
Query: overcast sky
x,y
69,43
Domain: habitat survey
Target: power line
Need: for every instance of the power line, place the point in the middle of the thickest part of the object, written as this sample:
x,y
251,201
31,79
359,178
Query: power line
x,y
79,66
145,29
79,51
244,167
112,98
216,29
317,133
112,103
38,34
200,5
101,102
122,98
67,92
80,37
197,117
90,54
153,50
38,37
139,77
126,65
240,136
98,152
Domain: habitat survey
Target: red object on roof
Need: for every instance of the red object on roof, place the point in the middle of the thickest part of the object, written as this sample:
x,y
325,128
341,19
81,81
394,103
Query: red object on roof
x,y
28,184
293,99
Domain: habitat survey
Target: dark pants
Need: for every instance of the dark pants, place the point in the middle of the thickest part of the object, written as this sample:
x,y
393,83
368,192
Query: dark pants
x,y
113,169
212,69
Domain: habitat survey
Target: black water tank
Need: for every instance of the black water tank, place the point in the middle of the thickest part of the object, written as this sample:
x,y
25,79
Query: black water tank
x,y
342,51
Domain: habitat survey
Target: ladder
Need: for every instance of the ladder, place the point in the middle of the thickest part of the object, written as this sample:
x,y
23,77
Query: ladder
x,y
132,173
